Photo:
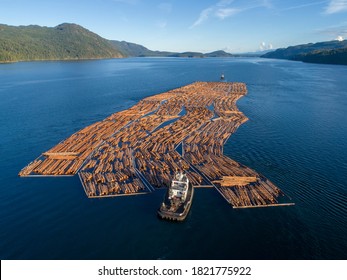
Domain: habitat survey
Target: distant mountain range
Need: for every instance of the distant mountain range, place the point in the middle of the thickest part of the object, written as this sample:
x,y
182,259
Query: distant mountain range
x,y
73,42
135,50
331,52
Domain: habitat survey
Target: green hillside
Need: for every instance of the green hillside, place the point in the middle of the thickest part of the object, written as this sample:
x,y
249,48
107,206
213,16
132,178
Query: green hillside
x,y
63,42
130,49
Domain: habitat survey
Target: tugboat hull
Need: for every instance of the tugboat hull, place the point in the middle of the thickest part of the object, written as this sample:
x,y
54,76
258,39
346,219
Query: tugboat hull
x,y
179,212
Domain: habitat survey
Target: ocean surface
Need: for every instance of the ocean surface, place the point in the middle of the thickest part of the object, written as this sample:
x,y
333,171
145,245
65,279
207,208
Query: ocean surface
x,y
296,136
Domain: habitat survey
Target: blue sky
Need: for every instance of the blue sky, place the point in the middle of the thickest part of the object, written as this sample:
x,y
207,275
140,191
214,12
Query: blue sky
x,y
195,25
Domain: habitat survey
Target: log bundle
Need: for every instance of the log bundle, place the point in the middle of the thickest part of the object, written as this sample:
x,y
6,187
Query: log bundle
x,y
134,150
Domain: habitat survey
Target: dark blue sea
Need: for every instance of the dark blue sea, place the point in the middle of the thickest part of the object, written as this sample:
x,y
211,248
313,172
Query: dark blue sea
x,y
296,136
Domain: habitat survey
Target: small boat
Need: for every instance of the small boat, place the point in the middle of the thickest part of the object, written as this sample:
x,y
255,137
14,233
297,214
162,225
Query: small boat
x,y
178,199
222,77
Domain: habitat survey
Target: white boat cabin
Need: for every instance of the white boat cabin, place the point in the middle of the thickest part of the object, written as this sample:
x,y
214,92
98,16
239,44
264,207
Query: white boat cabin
x,y
179,186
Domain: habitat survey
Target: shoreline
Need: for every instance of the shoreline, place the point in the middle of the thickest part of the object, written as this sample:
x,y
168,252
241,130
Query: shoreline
x,y
58,59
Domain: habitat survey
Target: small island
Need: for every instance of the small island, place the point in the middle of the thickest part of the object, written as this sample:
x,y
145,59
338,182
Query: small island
x,y
138,150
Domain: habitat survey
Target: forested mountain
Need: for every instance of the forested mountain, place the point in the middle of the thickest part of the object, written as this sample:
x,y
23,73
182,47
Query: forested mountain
x,y
69,41
331,52
135,50
63,42
72,42
219,54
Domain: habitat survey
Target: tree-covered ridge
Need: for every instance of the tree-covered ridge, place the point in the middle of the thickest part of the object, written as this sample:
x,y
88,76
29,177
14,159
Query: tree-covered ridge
x,y
69,41
336,56
136,50
331,52
63,42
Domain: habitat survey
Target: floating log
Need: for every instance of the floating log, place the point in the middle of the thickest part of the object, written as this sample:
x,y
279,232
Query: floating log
x,y
229,181
107,152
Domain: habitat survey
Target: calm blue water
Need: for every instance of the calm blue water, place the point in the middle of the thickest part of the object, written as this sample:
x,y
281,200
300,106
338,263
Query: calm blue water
x,y
296,136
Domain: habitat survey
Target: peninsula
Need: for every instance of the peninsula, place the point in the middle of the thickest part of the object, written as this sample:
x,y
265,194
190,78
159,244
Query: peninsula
x,y
138,150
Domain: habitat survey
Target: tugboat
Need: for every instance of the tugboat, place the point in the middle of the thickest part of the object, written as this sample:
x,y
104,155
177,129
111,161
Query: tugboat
x,y
178,199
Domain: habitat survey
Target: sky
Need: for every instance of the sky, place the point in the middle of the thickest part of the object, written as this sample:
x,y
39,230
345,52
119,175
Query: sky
x,y
191,25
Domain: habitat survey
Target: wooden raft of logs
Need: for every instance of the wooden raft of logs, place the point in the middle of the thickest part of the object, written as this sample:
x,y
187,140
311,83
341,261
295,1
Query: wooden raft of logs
x,y
111,153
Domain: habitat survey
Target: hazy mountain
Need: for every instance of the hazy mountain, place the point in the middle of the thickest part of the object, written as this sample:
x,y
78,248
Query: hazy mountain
x,y
134,50
187,54
219,53
63,42
253,54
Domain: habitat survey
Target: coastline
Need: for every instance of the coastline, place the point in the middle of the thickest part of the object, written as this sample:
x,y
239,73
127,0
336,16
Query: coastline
x,y
60,59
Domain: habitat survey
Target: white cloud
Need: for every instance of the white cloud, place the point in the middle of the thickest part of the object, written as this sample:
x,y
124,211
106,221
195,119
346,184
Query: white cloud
x,y
336,6
303,5
226,12
224,3
225,8
204,15
263,46
228,49
220,10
